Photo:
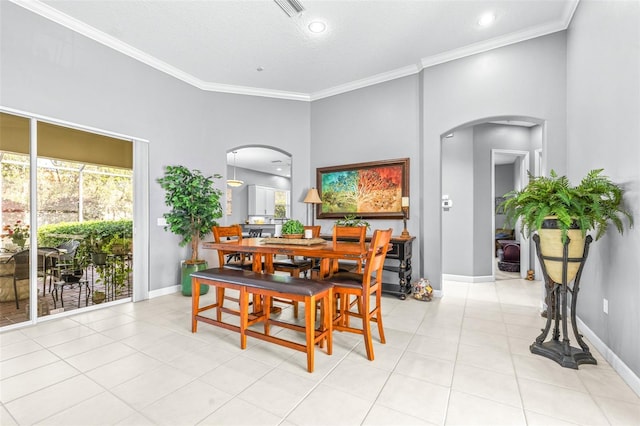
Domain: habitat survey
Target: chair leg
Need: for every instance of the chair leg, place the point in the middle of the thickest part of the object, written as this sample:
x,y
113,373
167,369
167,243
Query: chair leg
x,y
379,319
366,328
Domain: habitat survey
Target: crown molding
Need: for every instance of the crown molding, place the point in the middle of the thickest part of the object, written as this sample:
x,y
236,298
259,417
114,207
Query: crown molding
x,y
77,26
368,81
73,24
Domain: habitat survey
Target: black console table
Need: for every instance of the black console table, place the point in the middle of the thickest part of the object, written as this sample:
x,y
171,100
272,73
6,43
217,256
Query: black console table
x,y
401,251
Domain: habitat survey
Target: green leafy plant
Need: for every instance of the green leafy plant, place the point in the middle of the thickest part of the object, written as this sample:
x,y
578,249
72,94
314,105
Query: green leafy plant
x,y
592,205
292,226
195,205
352,220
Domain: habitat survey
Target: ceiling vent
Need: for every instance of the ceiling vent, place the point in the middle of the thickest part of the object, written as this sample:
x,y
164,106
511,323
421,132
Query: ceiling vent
x,y
290,7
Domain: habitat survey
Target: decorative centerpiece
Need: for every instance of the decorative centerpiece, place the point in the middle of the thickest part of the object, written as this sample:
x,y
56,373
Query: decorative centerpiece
x,y
18,233
292,229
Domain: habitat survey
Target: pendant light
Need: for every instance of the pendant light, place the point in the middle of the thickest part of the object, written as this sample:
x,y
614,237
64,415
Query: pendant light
x,y
234,182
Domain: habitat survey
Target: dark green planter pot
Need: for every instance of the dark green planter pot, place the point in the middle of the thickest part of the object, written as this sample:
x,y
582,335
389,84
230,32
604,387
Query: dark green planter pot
x,y
187,270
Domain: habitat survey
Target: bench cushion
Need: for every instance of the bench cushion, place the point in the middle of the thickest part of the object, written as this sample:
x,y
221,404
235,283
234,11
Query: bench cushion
x,y
279,283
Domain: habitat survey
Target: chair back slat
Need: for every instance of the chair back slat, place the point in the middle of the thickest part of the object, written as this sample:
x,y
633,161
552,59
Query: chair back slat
x,y
225,233
380,242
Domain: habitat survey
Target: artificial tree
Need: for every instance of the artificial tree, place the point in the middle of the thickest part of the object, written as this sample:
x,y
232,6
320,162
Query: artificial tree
x,y
195,205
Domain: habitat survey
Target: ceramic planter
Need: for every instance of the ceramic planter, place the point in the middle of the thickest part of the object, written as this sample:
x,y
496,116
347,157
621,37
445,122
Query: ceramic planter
x,y
551,245
186,270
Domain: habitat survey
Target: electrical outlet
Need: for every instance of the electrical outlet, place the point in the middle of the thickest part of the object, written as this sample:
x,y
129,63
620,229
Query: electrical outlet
x,y
162,221
605,306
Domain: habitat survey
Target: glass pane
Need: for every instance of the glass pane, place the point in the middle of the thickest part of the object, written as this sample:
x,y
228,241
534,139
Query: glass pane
x,y
85,210
14,253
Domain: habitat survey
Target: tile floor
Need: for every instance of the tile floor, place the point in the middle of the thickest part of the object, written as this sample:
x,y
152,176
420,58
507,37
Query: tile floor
x,y
459,360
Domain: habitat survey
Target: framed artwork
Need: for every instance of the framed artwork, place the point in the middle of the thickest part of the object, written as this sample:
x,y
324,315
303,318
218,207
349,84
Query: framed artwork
x,y
499,201
369,190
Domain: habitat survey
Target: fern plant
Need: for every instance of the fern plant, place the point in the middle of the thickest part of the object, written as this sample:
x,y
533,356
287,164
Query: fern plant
x,y
592,205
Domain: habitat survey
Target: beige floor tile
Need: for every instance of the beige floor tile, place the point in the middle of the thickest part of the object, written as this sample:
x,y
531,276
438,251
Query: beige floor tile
x,y
17,365
6,419
502,388
561,403
46,402
362,380
33,380
239,412
537,419
545,370
465,409
236,375
100,356
619,412
345,408
11,337
278,392
151,386
438,348
102,409
481,338
400,391
188,405
122,369
63,336
429,369
386,357
483,325
606,383
18,348
380,415
78,346
485,357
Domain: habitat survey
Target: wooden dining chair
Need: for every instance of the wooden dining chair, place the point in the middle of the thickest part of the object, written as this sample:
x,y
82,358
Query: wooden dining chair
x,y
353,233
348,285
234,259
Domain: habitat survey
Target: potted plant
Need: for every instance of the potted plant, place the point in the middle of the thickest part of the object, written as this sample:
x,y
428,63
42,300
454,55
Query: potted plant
x,y
96,248
195,206
292,228
352,221
557,210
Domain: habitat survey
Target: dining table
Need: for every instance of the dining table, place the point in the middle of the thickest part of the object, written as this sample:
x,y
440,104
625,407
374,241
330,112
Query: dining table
x,y
263,251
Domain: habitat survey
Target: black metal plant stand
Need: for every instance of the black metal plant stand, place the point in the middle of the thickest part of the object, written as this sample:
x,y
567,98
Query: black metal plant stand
x,y
556,297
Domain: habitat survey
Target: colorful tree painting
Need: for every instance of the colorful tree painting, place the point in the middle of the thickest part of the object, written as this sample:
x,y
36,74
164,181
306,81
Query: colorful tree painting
x,y
365,190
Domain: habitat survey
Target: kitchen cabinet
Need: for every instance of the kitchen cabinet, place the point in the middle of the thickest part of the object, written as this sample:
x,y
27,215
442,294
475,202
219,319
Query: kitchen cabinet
x,y
261,201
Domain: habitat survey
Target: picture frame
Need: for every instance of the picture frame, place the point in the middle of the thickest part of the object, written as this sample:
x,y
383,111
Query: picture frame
x,y
371,190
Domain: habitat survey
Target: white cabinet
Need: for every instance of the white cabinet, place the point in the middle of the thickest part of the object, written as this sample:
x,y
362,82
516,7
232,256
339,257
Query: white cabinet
x,y
261,201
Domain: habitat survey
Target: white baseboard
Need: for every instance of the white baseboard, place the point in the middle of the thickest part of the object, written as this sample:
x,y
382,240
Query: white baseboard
x,y
621,368
164,291
468,278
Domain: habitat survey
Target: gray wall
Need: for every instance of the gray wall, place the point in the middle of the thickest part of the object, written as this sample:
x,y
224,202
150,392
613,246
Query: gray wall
x,y
375,123
603,106
526,79
49,70
457,222
466,178
504,182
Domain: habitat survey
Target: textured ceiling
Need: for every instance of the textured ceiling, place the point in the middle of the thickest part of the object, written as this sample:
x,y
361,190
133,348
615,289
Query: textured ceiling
x,y
218,45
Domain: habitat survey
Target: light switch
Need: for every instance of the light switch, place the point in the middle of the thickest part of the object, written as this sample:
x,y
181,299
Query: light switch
x,y
162,221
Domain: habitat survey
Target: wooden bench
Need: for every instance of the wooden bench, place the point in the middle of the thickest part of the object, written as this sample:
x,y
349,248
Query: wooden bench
x,y
266,287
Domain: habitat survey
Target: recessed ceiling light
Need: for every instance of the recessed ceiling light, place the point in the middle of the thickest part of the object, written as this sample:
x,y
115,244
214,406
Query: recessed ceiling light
x,y
317,27
487,19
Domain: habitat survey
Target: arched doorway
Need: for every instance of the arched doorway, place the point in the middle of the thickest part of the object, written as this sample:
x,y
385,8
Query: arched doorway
x,y
264,195
468,225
